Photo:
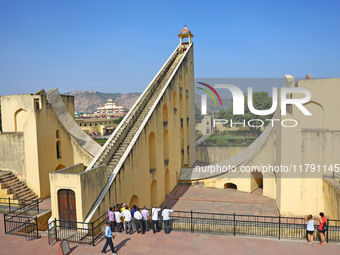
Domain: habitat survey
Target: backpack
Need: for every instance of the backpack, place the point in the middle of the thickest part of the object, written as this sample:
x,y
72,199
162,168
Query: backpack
x,y
324,226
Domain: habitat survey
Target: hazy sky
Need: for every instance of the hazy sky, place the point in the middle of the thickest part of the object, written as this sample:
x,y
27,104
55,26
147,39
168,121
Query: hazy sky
x,y
118,46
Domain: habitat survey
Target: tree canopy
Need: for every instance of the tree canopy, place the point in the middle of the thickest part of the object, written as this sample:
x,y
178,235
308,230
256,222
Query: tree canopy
x,y
261,101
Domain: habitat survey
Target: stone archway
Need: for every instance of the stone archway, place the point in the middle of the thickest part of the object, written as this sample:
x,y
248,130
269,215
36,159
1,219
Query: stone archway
x,y
153,193
230,185
134,201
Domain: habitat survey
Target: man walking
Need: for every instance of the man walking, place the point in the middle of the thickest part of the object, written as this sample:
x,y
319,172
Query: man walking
x,y
166,219
145,214
128,220
109,236
154,213
139,222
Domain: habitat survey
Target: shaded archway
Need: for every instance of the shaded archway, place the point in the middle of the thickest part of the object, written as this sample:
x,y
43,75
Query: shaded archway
x,y
20,117
57,134
181,105
58,148
134,201
180,81
59,167
175,99
153,193
167,182
186,79
230,185
166,144
165,113
152,151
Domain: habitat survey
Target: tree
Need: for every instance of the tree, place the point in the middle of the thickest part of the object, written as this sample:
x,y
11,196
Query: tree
x,y
198,115
261,101
117,121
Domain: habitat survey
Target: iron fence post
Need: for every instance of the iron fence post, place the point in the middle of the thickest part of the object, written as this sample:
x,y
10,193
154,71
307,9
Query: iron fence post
x,y
36,225
38,205
279,226
9,204
56,230
327,229
5,222
234,224
191,226
92,234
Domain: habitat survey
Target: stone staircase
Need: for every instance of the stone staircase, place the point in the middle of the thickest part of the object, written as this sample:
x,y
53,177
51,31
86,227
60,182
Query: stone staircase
x,y
122,139
14,188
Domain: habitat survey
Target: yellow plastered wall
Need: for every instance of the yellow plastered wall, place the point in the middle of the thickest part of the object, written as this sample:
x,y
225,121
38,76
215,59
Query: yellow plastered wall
x,y
86,186
40,126
134,181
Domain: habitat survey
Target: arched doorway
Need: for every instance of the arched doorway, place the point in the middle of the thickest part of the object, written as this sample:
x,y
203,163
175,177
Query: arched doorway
x,y
20,117
230,185
134,201
152,151
167,182
153,193
67,208
59,167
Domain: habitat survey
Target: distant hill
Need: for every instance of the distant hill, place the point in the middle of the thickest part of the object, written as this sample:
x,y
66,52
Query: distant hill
x,y
89,101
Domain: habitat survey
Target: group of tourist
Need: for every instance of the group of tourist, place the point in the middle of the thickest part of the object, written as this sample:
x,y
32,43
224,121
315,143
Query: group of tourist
x,y
322,228
122,218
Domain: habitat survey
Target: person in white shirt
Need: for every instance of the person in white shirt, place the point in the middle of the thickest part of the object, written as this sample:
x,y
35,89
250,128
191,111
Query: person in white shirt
x,y
154,216
119,223
139,222
128,220
166,219
145,214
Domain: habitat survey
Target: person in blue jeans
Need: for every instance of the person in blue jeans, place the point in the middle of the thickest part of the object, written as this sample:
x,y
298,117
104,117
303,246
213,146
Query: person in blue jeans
x,y
154,217
166,219
109,236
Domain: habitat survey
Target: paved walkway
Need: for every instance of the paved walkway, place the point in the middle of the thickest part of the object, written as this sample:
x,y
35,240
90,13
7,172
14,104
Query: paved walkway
x,y
175,243
200,199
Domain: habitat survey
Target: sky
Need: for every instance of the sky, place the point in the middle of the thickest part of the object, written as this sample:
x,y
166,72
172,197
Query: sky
x,y
118,46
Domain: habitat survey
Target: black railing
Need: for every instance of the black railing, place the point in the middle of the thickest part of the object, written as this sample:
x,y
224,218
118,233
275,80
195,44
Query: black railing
x,y
76,232
248,225
20,205
21,219
198,222
21,225
336,175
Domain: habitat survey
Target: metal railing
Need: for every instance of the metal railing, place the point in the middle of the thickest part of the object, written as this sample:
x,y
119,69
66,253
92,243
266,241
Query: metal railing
x,y
76,232
17,205
21,219
248,225
336,175
198,222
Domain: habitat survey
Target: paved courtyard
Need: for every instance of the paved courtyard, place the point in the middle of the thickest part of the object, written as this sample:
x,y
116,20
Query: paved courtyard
x,y
200,199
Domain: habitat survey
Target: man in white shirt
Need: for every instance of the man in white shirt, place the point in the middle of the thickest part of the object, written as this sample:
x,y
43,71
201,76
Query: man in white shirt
x,y
139,222
119,223
145,214
166,219
154,216
128,220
